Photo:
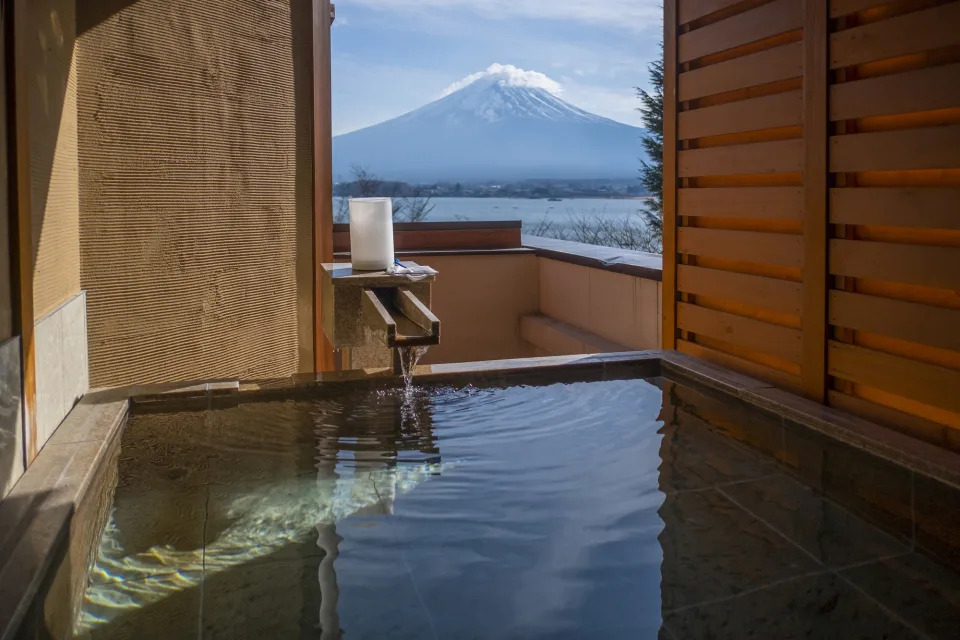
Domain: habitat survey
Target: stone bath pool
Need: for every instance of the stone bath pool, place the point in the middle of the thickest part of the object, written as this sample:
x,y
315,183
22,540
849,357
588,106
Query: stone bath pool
x,y
630,496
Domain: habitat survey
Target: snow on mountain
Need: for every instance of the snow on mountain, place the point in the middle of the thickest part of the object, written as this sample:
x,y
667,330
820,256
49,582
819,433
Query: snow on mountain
x,y
504,124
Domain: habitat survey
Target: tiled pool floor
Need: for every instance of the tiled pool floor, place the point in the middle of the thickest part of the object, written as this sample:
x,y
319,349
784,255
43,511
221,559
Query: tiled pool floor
x,y
488,513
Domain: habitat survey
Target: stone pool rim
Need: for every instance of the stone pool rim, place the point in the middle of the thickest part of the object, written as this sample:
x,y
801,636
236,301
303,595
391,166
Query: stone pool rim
x,y
37,517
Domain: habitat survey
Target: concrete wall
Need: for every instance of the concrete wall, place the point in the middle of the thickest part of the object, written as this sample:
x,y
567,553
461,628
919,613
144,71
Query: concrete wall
x,y
60,340
480,300
606,310
195,187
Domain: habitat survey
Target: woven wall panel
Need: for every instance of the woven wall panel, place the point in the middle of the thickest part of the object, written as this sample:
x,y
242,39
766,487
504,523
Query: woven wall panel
x,y
194,166
54,202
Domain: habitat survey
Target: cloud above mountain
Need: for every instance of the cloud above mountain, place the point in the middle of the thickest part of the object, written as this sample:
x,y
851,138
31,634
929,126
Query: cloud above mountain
x,y
510,76
622,14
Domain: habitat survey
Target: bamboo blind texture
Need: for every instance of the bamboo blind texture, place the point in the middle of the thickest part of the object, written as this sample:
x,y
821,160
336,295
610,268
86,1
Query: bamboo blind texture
x,y
195,176
54,196
812,207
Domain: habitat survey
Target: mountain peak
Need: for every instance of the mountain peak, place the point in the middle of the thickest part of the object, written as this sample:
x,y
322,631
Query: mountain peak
x,y
503,92
503,123
507,75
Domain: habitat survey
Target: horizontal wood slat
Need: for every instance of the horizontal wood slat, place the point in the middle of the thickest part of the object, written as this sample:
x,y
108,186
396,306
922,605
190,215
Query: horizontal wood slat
x,y
765,21
753,246
907,423
927,383
773,65
765,112
782,342
910,321
770,293
839,8
907,263
690,10
919,90
781,156
759,371
928,208
928,148
904,34
776,203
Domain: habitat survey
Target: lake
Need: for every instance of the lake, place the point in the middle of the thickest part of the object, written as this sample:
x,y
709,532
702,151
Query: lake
x,y
530,212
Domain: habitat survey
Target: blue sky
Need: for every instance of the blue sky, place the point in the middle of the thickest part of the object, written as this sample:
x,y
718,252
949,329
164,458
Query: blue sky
x,y
392,56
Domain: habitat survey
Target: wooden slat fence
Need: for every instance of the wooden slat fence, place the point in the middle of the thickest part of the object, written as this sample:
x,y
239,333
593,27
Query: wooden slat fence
x,y
812,199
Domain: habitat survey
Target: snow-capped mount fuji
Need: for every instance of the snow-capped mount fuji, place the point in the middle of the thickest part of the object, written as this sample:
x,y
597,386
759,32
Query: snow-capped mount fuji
x,y
497,127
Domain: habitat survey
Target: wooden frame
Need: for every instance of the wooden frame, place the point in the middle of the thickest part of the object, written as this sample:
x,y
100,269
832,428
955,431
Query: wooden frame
x,y
18,130
670,104
322,173
815,222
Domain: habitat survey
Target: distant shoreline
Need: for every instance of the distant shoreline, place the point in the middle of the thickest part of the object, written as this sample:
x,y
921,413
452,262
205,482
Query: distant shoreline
x,y
523,199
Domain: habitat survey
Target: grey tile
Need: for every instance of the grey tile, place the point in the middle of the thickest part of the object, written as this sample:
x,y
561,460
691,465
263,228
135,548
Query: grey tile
x,y
828,532
821,606
922,592
263,598
713,549
153,608
11,421
76,377
936,511
169,518
90,422
48,339
694,457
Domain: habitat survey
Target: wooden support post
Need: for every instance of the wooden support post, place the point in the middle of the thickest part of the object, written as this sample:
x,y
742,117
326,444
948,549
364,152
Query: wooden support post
x,y
815,186
18,136
322,173
670,219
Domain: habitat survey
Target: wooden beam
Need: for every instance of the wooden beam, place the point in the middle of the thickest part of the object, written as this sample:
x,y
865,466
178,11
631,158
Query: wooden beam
x,y
910,33
906,149
766,112
926,383
670,220
779,156
18,127
760,291
756,335
762,22
910,321
925,265
769,203
918,90
322,173
753,369
917,208
783,249
763,67
815,133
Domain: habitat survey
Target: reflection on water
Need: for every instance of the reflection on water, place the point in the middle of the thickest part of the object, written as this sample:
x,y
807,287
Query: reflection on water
x,y
582,510
237,504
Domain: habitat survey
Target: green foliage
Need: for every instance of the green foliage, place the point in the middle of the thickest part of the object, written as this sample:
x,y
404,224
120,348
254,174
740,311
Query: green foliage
x,y
651,173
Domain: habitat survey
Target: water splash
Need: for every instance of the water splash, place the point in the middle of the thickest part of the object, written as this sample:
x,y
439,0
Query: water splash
x,y
409,357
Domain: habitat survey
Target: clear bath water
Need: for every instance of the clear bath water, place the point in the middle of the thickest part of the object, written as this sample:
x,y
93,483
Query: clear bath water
x,y
546,510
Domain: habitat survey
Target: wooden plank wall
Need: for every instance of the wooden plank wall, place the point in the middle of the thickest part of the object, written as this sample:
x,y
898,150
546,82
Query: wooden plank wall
x,y
813,234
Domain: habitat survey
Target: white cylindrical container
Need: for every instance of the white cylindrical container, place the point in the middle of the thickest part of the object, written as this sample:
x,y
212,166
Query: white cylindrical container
x,y
371,233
